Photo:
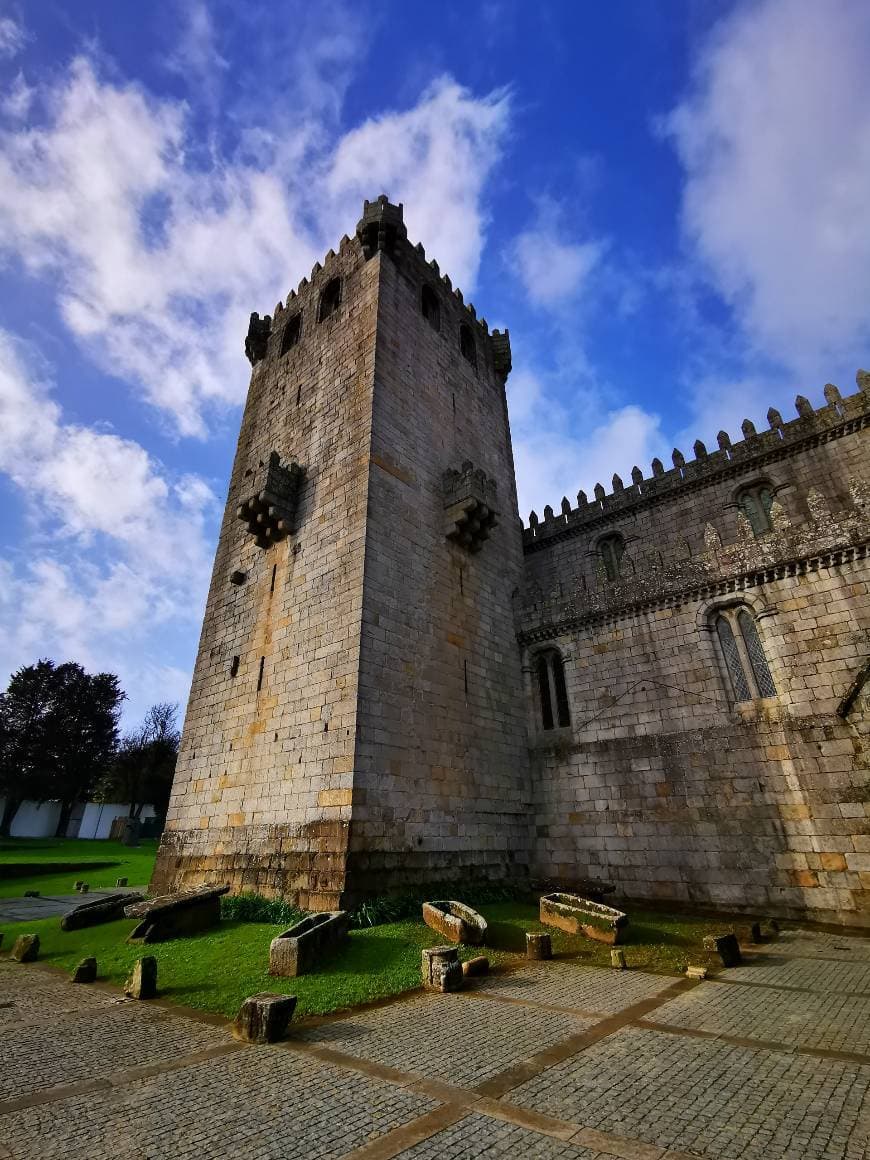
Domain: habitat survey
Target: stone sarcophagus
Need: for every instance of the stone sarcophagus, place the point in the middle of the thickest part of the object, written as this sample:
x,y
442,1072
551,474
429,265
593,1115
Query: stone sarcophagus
x,y
455,921
469,506
175,915
301,948
270,510
105,909
576,915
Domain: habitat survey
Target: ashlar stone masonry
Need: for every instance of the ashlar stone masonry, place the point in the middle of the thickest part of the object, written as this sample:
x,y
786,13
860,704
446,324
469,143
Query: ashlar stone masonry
x,y
662,687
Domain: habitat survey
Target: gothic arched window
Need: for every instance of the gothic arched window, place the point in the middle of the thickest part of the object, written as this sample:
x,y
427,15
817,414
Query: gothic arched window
x,y
330,299
743,653
552,691
430,307
755,503
467,344
610,550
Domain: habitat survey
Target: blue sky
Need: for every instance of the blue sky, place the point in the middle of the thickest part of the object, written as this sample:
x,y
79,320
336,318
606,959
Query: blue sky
x,y
667,204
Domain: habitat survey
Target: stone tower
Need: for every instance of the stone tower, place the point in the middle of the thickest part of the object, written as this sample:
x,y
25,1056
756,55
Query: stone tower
x,y
356,719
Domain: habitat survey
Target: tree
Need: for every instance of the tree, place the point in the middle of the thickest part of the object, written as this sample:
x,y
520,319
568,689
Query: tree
x,y
58,733
144,763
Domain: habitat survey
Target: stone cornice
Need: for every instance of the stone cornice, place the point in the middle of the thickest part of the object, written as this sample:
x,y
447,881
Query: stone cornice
x,y
572,620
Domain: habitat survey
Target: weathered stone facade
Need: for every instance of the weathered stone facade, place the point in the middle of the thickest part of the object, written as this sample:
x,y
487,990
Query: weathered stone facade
x,y
367,707
666,782
356,717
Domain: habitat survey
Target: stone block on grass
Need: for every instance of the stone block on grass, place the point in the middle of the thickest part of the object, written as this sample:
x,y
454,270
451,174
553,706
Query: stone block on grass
x,y
264,1018
576,915
175,915
98,911
25,949
472,968
726,947
539,946
302,948
120,881
617,959
142,983
441,969
455,921
85,972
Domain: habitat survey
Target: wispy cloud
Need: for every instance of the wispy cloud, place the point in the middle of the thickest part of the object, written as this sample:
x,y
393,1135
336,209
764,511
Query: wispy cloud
x,y
119,547
774,140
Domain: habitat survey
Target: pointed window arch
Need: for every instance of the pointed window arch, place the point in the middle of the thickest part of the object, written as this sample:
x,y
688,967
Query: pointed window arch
x,y
292,332
742,653
430,307
330,299
553,707
467,345
755,503
610,552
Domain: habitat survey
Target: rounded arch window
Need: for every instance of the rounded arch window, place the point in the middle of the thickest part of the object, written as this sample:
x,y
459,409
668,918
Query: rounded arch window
x,y
330,299
755,502
610,552
467,345
552,691
431,307
742,654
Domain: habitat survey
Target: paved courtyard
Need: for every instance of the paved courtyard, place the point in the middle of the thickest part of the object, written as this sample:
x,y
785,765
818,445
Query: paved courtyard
x,y
554,1061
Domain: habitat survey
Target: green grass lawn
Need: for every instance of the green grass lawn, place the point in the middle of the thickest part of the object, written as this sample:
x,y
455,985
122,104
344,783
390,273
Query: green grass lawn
x,y
133,863
215,971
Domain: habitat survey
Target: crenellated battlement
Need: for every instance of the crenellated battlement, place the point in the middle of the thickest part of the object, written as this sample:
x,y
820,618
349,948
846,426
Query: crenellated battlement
x,y
838,416
381,229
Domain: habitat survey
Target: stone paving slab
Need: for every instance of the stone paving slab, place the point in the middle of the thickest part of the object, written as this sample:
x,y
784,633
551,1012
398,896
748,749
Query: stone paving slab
x,y
256,1104
571,985
33,996
775,970
52,905
487,1139
820,943
89,1042
453,1038
711,1098
831,1022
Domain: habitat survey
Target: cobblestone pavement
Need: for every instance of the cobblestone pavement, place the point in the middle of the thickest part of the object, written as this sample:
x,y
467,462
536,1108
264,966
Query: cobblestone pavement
x,y
581,988
448,1037
554,1061
834,1022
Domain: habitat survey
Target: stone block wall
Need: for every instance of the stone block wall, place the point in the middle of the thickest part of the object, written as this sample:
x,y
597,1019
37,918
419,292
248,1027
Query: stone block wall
x,y
262,794
441,786
663,784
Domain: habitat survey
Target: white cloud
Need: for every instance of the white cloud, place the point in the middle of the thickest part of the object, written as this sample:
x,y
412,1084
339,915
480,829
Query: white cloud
x,y
553,271
158,263
195,55
557,451
12,37
775,142
118,551
436,159
16,103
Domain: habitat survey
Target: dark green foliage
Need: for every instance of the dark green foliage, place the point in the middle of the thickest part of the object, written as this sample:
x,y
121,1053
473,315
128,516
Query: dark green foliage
x,y
375,911
58,731
256,908
408,903
144,764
